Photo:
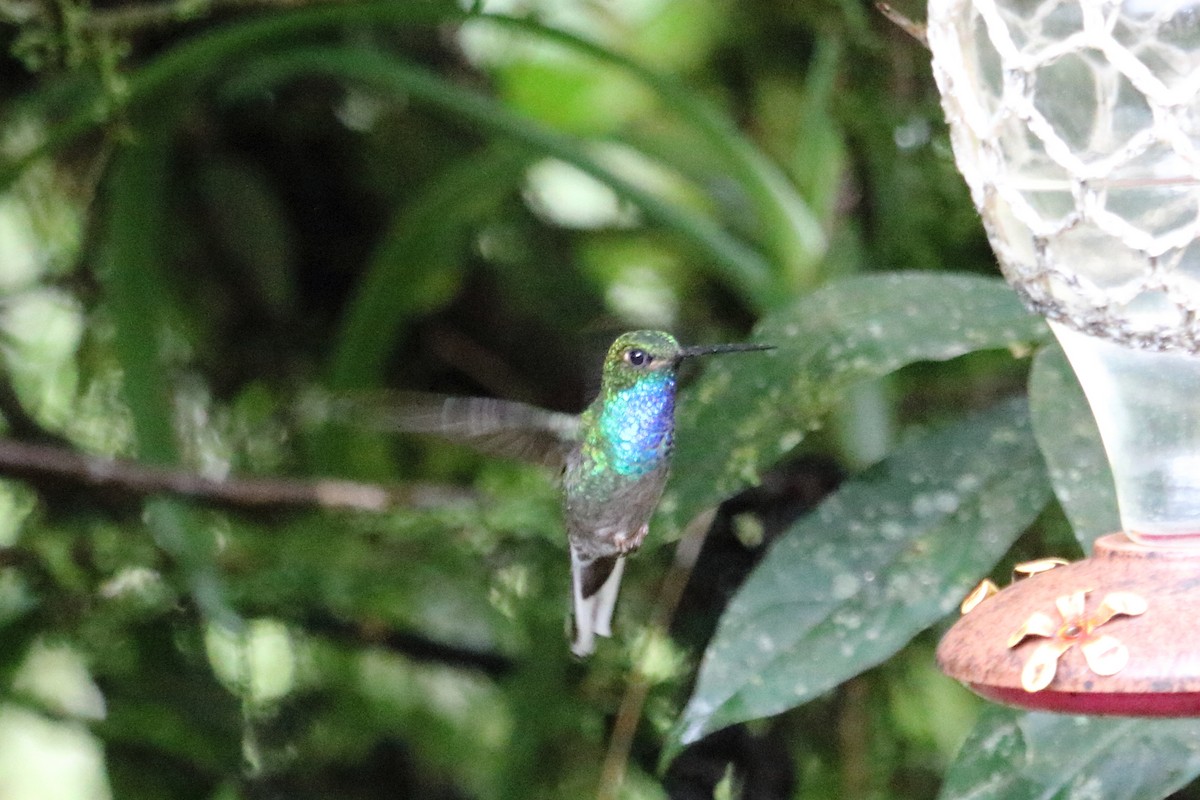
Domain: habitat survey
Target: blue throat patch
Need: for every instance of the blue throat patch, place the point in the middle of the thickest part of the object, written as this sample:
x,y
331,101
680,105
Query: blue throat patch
x,y
637,424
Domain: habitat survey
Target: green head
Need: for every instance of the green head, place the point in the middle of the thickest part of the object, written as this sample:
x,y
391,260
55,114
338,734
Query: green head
x,y
640,354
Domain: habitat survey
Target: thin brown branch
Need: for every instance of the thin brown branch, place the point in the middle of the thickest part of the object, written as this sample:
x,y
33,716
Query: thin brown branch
x,y
46,463
411,645
914,29
620,742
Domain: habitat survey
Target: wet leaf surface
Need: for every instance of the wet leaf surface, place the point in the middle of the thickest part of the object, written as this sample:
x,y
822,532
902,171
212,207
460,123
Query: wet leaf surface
x,y
1019,755
748,411
886,556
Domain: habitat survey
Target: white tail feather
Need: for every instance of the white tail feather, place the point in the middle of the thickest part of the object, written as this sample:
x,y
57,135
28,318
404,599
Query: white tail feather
x,y
593,615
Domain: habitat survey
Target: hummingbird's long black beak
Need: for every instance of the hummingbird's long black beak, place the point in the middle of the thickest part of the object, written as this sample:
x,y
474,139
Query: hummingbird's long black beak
x,y
712,349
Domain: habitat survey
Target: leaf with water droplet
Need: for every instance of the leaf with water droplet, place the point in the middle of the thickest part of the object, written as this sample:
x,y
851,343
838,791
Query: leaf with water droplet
x,y
1017,755
810,596
851,330
1070,442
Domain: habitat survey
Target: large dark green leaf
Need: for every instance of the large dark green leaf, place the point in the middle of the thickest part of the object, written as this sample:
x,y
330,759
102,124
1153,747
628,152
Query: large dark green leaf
x,y
1070,442
748,411
889,554
1016,755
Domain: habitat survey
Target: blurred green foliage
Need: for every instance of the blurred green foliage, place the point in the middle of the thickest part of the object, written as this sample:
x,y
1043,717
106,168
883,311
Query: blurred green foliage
x,y
210,211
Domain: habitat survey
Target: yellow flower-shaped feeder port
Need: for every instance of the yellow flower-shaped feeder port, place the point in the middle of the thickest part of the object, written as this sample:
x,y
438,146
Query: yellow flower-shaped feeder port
x,y
1104,654
987,587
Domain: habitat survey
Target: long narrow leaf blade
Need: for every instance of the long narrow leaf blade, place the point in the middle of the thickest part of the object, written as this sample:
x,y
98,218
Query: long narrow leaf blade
x,y
132,252
784,212
134,241
744,266
799,239
416,264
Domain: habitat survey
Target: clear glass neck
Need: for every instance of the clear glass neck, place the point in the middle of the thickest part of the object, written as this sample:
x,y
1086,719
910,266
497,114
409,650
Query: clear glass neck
x,y
1147,405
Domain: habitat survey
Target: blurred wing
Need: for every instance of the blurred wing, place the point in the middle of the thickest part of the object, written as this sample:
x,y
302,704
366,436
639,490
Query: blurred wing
x,y
497,427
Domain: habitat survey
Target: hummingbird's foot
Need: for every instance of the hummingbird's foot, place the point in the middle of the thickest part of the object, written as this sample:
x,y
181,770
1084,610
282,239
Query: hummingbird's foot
x,y
629,542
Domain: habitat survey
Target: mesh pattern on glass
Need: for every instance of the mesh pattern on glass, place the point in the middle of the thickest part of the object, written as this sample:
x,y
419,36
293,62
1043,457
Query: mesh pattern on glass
x,y
1076,124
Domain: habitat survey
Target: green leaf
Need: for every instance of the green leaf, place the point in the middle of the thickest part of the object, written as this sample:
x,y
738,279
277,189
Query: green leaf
x,y
416,265
791,231
744,268
885,557
794,235
1016,755
136,294
415,268
182,533
573,96
182,69
132,252
249,222
1070,441
848,331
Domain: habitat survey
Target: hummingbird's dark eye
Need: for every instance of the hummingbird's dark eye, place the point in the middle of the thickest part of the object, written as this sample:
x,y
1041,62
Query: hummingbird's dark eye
x,y
638,358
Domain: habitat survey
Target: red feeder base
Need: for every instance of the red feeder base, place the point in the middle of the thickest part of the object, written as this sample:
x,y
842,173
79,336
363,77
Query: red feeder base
x,y
1161,677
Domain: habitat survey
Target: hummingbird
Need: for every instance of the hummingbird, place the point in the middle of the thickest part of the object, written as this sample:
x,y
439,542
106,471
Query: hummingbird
x,y
614,458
